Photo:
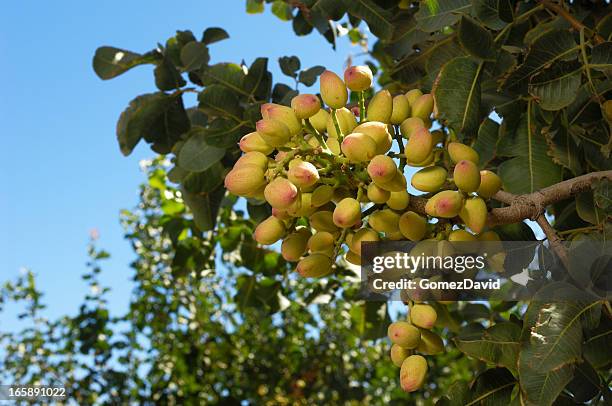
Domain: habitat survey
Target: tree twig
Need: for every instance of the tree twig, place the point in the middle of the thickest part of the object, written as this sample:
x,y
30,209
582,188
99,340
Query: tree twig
x,y
570,19
553,239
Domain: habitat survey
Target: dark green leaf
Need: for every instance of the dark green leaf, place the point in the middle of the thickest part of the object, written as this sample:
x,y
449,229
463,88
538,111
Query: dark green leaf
x,y
289,65
156,117
204,207
109,62
218,100
301,26
196,155
601,57
457,94
229,75
378,19
167,77
194,56
448,13
492,388
597,348
405,37
562,148
476,39
486,141
369,319
552,46
556,88
258,81
214,34
531,169
585,385
310,75
487,11
499,345
588,210
224,133
206,181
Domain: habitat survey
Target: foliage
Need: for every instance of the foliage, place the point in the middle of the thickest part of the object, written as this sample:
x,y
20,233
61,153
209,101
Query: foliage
x,y
541,67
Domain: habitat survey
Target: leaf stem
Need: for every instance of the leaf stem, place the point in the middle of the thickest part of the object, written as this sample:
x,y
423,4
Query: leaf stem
x,y
337,126
316,134
362,106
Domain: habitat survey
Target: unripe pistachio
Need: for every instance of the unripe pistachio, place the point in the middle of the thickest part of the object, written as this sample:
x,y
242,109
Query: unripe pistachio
x,y
466,176
302,174
424,316
426,162
380,107
334,146
253,158
412,226
404,334
281,193
269,231
384,221
284,114
358,147
305,105
379,132
362,235
333,90
302,207
474,214
382,169
413,373
321,195
280,156
294,245
245,180
377,195
314,266
346,121
445,204
423,106
398,200
254,142
321,242
459,152
413,95
347,213
280,214
429,179
461,236
492,242
419,146
395,236
410,125
431,343
401,109
353,258
397,184
341,193
399,354
490,184
323,221
358,78
319,120
274,132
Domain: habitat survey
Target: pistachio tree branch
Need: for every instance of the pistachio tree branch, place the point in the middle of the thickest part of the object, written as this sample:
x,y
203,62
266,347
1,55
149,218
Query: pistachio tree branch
x,y
559,10
553,239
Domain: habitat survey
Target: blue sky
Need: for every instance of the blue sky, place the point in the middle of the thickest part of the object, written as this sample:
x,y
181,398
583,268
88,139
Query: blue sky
x,y
62,173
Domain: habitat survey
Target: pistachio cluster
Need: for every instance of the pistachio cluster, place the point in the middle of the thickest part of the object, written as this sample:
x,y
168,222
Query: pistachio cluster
x,y
333,182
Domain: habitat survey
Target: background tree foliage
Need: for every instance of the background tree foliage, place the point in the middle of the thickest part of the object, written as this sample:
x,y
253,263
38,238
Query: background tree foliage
x,y
524,82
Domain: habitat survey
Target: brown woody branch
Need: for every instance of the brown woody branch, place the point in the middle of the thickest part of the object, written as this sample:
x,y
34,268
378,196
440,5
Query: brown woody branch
x,y
557,8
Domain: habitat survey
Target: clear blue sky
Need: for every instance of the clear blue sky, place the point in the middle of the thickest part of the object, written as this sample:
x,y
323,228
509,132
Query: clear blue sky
x,y
62,174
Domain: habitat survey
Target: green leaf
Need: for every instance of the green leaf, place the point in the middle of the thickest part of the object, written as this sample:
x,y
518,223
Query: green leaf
x,y
487,11
457,94
157,117
588,210
585,385
597,348
309,76
550,47
448,13
204,207
218,100
562,148
282,10
405,36
476,39
486,141
214,34
224,133
556,88
602,194
289,65
531,169
498,345
601,57
167,77
492,388
206,181
369,319
194,56
258,81
254,6
227,74
109,62
300,24
196,155
378,19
